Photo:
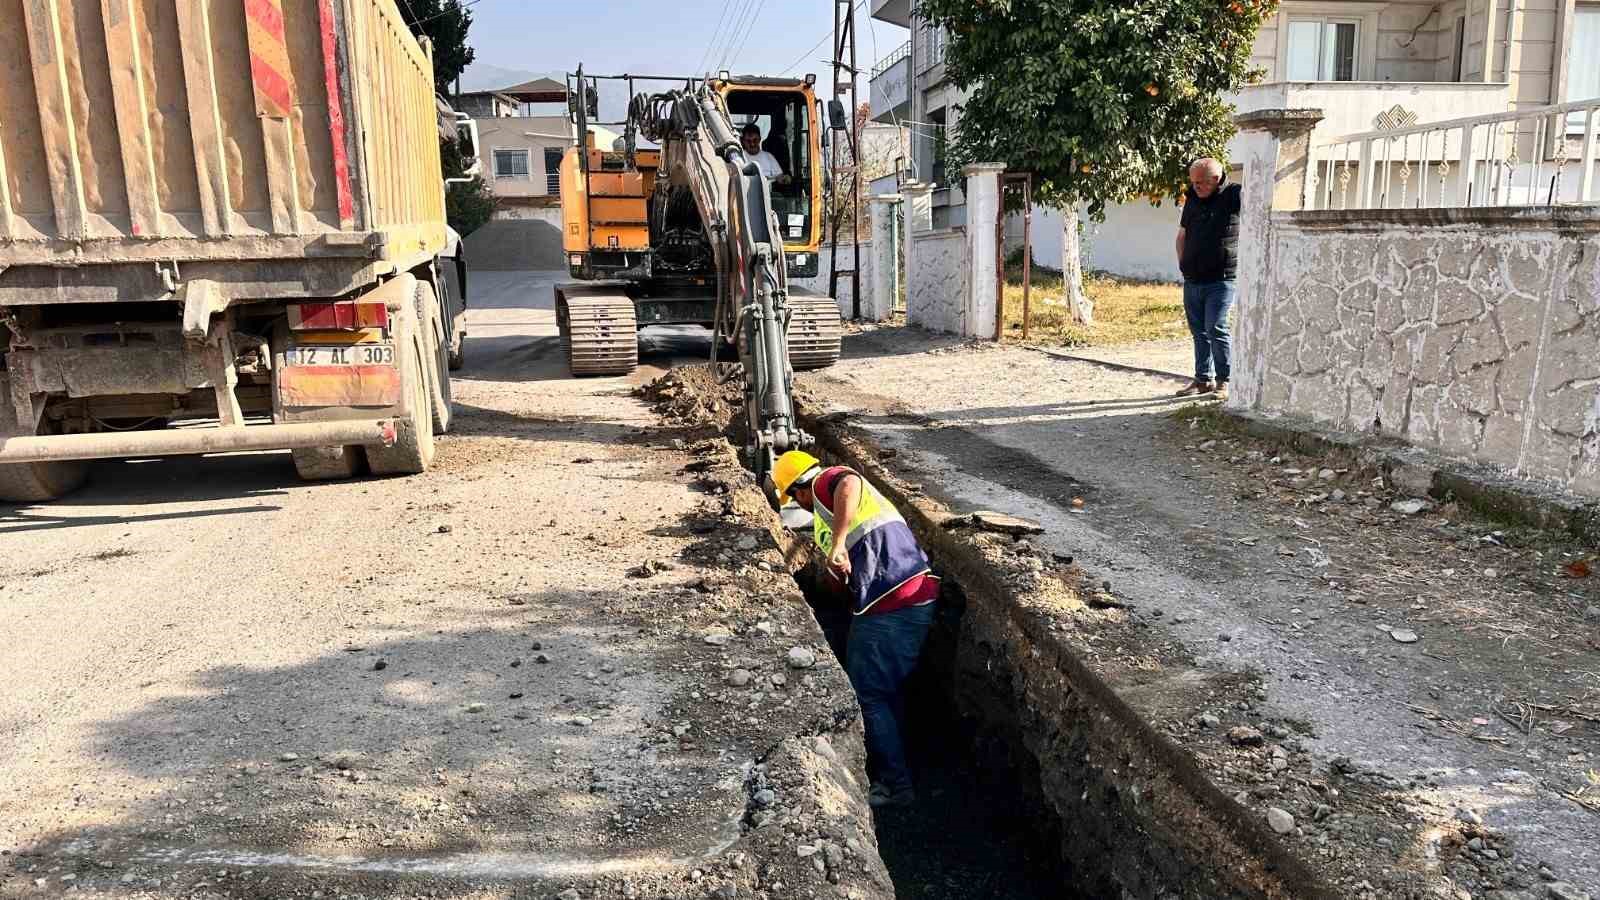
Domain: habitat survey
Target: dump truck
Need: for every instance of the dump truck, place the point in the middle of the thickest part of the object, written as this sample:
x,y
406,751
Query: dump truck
x,y
222,227
643,241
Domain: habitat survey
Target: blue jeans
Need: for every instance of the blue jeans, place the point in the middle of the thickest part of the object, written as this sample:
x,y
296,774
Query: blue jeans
x,y
1206,306
882,651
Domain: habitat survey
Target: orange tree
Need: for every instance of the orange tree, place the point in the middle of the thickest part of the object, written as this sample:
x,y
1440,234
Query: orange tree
x,y
1104,101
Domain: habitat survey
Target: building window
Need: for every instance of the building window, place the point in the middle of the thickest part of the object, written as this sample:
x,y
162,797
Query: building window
x,y
511,164
552,170
1461,48
1583,76
1322,49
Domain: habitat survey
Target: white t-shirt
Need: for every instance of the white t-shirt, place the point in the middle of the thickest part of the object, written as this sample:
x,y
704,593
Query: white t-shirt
x,y
770,167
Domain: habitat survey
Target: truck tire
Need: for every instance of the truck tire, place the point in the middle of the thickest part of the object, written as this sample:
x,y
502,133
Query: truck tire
x,y
40,481
458,352
412,451
438,360
326,463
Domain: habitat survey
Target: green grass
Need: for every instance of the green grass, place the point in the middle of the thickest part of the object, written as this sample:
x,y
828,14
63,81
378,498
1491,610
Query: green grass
x,y
1125,310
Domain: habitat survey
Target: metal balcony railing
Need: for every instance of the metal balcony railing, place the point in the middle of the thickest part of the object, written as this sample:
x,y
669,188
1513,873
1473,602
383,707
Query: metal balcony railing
x,y
883,65
1530,157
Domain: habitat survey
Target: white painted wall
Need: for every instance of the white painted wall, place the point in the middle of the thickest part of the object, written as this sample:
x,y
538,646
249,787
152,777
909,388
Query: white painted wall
x,y
550,214
1135,240
819,284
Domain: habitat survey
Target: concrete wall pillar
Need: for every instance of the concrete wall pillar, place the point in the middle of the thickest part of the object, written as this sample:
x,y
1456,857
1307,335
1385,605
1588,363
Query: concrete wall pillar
x,y
919,206
983,248
882,211
1276,149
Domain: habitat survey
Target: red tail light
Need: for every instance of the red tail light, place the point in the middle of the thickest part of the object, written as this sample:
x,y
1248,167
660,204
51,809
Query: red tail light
x,y
337,315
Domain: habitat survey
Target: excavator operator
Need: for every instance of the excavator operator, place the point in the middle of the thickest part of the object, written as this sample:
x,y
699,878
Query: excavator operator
x,y
892,594
771,169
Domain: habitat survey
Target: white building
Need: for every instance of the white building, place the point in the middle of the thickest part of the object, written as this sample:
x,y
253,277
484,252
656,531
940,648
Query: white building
x,y
1407,62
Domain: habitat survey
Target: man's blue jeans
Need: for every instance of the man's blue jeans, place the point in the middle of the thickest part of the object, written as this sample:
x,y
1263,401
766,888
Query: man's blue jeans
x,y
882,651
1207,306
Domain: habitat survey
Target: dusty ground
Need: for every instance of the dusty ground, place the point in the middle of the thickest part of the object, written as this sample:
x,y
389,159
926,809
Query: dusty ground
x,y
222,682
1458,765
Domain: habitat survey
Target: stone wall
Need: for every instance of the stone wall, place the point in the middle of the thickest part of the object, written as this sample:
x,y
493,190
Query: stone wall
x,y
936,280
1473,332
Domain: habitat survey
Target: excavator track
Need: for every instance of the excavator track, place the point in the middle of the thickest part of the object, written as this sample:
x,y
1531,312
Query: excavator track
x,y
599,330
815,332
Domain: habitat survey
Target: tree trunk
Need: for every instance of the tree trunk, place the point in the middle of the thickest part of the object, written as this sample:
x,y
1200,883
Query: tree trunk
x,y
1072,270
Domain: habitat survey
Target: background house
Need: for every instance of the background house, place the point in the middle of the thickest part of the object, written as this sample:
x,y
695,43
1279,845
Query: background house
x,y
1367,65
523,131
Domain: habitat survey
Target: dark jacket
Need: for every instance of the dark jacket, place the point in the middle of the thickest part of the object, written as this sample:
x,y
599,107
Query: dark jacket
x,y
1211,234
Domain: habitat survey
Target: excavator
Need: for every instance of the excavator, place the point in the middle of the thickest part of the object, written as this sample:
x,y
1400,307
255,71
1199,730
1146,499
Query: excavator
x,y
690,231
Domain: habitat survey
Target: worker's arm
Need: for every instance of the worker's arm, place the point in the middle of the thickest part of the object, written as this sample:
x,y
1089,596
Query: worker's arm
x,y
846,497
1181,232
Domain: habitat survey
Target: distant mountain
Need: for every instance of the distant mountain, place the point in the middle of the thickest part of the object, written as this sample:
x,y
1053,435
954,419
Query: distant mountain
x,y
485,77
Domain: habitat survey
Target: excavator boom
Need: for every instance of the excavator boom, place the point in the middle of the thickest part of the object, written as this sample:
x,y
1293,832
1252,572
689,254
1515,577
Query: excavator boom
x,y
700,213
700,148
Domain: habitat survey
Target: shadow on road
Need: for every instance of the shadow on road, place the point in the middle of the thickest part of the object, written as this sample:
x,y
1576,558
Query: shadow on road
x,y
451,750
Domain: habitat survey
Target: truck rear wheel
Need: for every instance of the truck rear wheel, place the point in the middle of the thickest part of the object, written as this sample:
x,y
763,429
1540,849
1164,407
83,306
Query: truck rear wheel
x,y
325,463
40,481
37,482
438,360
412,451
458,353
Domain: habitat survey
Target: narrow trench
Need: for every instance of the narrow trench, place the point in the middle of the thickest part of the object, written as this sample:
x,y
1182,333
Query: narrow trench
x,y
979,829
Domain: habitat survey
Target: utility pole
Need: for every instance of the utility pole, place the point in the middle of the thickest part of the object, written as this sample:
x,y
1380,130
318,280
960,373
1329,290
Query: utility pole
x,y
844,86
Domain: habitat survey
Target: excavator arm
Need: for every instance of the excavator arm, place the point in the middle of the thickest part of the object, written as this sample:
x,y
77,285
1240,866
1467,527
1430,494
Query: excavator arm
x,y
700,149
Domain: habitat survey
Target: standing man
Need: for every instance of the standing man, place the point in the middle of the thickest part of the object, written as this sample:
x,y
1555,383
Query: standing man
x,y
892,593
1208,256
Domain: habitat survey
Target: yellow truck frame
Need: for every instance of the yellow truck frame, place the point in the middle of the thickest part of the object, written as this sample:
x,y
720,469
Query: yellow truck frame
x,y
223,212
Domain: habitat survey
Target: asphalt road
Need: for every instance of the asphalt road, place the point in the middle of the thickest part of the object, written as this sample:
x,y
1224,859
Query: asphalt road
x,y
222,680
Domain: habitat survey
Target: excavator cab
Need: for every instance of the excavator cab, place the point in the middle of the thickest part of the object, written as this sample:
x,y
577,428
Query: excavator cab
x,y
786,114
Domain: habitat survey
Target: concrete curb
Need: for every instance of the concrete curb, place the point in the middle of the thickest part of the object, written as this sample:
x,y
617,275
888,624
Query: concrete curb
x,y
1418,472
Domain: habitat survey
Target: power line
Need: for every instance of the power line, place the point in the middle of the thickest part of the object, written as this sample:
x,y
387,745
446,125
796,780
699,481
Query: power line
x,y
760,8
825,39
445,12
705,57
738,25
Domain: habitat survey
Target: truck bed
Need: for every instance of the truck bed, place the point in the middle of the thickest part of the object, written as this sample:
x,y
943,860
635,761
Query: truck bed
x,y
140,131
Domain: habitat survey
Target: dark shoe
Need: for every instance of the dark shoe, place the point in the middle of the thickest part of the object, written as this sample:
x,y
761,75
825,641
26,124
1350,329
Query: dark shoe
x,y
1221,393
1195,388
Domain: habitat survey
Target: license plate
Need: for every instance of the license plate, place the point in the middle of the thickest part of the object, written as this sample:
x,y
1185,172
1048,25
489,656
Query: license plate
x,y
359,355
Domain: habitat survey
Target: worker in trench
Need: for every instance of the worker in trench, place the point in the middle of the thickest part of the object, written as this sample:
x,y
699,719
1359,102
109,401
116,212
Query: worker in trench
x,y
879,573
